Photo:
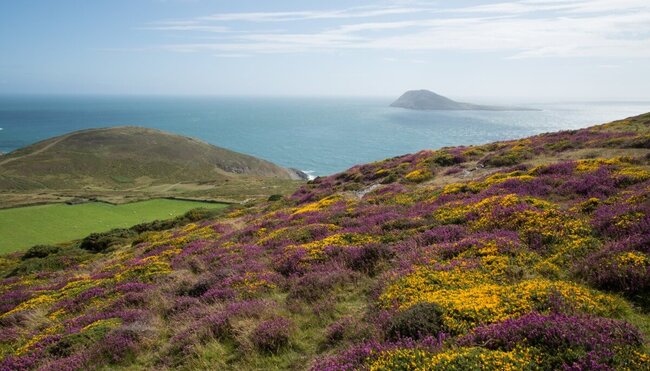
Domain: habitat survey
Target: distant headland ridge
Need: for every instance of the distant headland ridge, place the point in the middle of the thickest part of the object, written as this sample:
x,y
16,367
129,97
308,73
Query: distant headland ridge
x,y
428,100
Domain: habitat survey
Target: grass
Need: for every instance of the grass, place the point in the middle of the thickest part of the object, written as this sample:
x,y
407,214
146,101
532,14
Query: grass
x,y
350,300
23,227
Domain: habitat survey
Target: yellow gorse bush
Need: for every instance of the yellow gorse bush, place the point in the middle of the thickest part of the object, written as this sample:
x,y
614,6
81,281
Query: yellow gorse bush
x,y
455,359
315,249
477,186
319,205
471,297
103,323
152,266
289,231
71,289
253,282
594,164
53,329
418,175
631,258
32,303
635,173
452,213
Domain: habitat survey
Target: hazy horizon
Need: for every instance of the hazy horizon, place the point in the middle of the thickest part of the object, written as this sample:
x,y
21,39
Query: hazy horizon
x,y
492,51
387,98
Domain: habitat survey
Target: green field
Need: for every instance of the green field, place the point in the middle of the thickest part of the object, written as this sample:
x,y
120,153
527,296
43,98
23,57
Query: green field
x,y
24,227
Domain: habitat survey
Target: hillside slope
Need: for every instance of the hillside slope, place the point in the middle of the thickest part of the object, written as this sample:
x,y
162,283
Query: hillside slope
x,y
524,254
127,158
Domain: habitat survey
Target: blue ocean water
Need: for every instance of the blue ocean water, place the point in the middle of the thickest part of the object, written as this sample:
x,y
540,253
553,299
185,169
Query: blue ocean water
x,y
319,135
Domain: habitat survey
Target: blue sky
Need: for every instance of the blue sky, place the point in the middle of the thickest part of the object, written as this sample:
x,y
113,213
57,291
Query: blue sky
x,y
488,50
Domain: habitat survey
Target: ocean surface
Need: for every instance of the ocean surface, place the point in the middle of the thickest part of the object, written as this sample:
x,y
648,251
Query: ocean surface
x,y
318,135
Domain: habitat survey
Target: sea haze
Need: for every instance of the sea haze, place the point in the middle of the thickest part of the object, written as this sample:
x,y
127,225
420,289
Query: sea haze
x,y
318,135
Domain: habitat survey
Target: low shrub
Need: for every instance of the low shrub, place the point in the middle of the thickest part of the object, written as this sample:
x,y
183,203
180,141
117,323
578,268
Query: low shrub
x,y
119,345
276,197
45,258
290,263
391,178
347,329
418,321
562,145
191,216
454,170
506,158
474,358
367,259
358,356
79,361
89,335
40,251
101,242
642,141
562,339
272,335
418,175
313,286
444,158
622,266
212,326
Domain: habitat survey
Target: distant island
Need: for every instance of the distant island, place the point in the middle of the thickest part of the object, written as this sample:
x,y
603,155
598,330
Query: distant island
x,y
425,100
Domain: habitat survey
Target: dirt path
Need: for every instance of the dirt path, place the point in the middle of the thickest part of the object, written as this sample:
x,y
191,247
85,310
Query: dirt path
x,y
170,187
35,152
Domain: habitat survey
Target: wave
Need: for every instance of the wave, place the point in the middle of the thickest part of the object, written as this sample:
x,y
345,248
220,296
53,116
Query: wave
x,y
310,174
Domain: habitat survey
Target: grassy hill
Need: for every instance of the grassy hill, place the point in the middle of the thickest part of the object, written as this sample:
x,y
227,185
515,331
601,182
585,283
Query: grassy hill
x,y
525,254
131,162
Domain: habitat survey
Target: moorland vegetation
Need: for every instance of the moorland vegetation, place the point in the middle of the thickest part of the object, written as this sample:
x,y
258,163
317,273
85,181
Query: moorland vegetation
x,y
530,254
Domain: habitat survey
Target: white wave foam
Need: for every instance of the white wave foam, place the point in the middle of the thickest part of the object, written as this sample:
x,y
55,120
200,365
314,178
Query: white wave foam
x,y
310,174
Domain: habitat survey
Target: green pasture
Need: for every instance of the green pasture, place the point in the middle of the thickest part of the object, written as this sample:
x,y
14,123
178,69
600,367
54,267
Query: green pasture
x,y
24,227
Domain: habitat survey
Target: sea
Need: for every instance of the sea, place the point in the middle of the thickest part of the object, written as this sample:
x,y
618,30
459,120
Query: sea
x,y
320,136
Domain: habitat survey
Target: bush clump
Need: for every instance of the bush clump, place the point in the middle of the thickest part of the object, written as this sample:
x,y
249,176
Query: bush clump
x,y
101,242
367,259
275,197
418,321
40,251
563,340
272,335
444,158
622,266
507,158
91,334
191,216
314,286
46,258
346,329
418,175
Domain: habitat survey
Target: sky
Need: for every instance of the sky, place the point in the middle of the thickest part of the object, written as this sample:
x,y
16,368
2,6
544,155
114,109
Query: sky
x,y
523,50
